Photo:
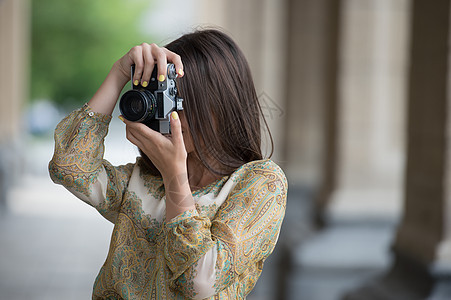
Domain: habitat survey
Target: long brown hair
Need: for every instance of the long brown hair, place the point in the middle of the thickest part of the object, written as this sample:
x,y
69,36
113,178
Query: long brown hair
x,y
220,102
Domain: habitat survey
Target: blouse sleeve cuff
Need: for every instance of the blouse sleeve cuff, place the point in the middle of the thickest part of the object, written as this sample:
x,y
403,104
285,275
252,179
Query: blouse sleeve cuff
x,y
174,222
99,117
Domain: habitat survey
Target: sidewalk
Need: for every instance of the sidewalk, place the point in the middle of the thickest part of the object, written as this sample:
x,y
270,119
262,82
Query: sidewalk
x,y
52,245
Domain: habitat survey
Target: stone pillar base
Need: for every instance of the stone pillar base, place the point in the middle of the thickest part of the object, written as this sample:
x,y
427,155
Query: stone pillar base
x,y
407,280
442,286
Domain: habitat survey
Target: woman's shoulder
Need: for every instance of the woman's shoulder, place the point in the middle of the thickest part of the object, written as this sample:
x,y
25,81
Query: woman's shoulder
x,y
264,164
260,166
259,191
262,171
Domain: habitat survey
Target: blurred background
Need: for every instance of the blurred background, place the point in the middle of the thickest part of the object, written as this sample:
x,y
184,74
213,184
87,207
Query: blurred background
x,y
356,96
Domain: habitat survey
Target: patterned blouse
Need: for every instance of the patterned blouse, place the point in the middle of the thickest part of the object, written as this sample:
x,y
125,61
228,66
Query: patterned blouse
x,y
215,251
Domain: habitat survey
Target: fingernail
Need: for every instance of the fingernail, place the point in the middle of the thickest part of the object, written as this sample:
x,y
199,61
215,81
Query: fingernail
x,y
136,82
174,115
180,72
145,84
161,78
121,118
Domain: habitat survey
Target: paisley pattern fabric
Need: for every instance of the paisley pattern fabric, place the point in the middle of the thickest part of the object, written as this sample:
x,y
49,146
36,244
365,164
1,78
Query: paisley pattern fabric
x,y
215,251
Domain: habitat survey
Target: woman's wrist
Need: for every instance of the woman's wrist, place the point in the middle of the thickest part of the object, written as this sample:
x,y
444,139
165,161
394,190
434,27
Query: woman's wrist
x,y
178,194
176,181
120,75
104,100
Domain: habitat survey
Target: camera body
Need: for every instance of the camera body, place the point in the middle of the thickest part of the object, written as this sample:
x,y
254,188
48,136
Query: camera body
x,y
152,105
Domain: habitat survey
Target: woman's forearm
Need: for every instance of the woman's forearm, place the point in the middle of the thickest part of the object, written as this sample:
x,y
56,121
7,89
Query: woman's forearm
x,y
104,100
178,195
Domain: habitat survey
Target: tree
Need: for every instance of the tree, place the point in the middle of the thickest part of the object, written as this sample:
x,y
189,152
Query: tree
x,y
75,43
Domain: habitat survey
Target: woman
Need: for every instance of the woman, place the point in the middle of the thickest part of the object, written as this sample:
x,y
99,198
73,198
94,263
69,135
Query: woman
x,y
199,212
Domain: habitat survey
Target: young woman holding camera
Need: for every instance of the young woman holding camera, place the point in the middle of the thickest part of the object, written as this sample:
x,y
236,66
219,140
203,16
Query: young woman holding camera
x,y
199,212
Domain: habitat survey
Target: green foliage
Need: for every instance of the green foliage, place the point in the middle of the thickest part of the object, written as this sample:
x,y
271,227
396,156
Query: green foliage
x,y
75,43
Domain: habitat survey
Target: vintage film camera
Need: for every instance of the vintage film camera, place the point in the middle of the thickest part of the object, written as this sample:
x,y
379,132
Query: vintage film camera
x,y
153,104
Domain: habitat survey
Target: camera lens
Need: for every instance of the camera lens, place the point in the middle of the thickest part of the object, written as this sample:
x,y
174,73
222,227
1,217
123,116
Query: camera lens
x,y
138,105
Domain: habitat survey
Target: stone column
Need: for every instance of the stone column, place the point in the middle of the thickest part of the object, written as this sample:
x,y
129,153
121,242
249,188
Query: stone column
x,y
311,89
311,106
422,248
424,236
372,80
14,78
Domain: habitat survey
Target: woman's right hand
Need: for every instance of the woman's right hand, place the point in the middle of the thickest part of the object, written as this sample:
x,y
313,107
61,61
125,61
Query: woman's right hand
x,y
144,57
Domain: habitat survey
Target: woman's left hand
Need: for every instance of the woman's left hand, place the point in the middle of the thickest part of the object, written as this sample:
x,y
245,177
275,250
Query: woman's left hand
x,y
167,153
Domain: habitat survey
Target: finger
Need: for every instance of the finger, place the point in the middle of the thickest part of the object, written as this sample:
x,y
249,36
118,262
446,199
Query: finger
x,y
136,56
143,139
129,129
176,129
160,57
149,64
142,131
132,138
133,127
176,60
121,117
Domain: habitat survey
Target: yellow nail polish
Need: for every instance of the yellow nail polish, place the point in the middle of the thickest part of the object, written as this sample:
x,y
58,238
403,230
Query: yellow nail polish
x,y
145,84
174,115
161,78
121,118
136,82
180,72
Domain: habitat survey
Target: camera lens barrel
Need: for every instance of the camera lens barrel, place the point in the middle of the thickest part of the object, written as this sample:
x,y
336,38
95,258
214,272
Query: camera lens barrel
x,y
138,105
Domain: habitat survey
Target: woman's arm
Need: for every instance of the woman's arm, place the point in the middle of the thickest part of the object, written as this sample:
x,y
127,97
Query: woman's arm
x,y
206,258
78,163
169,156
78,158
104,100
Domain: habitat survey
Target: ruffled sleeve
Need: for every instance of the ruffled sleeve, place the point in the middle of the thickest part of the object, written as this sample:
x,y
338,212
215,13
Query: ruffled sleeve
x,y
78,162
